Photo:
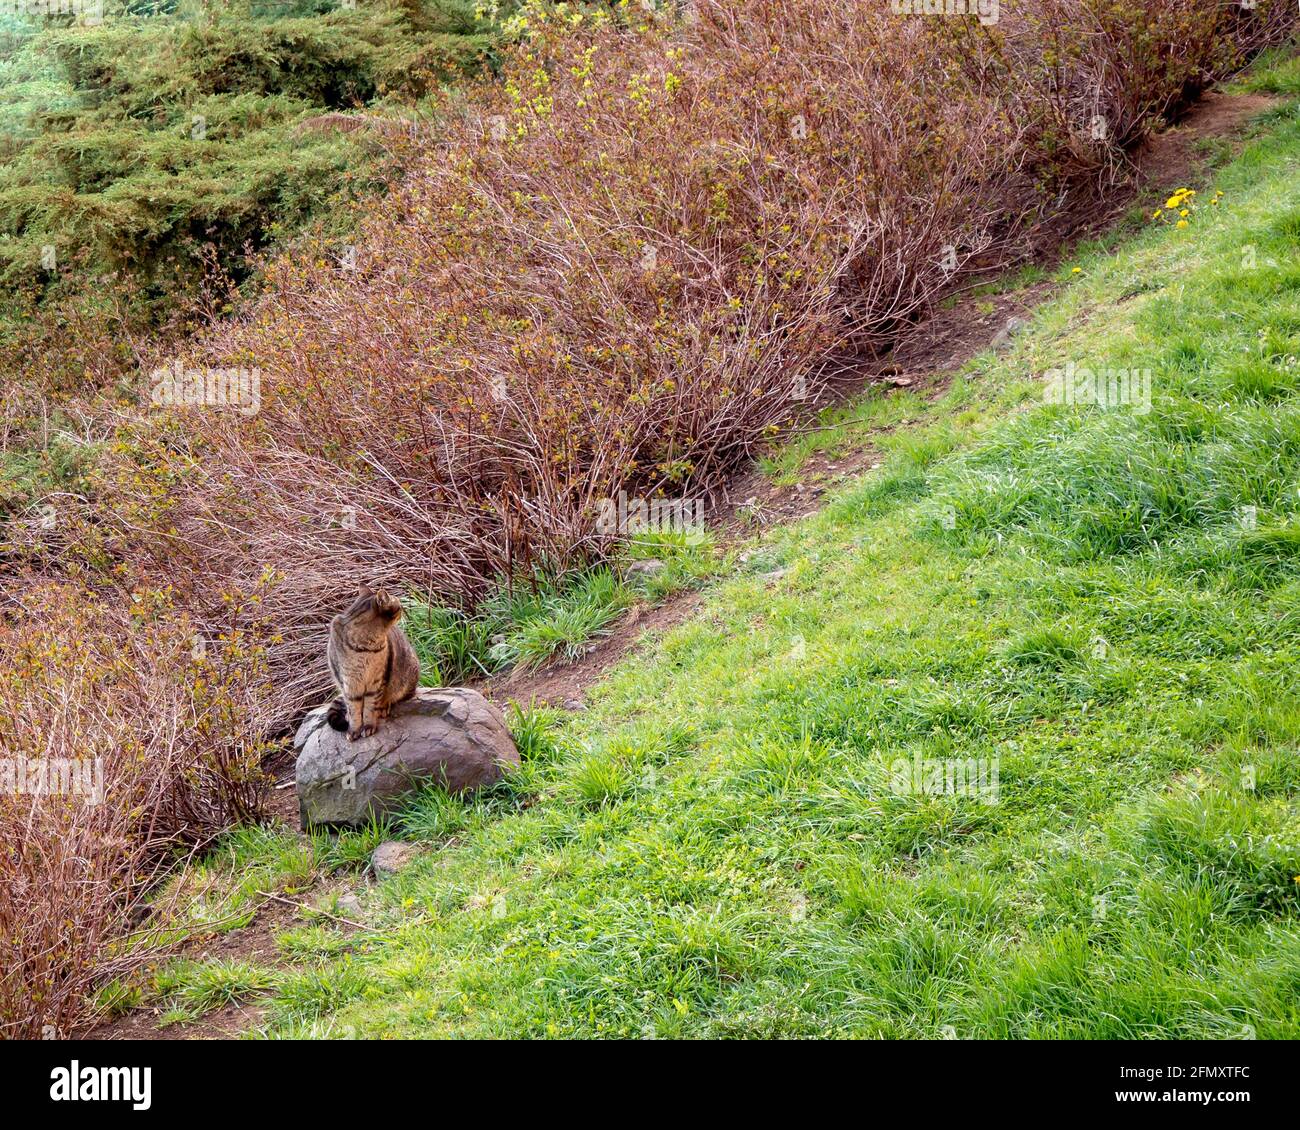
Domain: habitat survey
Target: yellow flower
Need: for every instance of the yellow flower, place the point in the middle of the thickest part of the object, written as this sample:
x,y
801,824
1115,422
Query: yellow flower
x,y
1157,213
1184,213
1077,271
1182,223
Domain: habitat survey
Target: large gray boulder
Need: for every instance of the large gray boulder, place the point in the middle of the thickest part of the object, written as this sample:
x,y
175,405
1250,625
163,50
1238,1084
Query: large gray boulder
x,y
453,736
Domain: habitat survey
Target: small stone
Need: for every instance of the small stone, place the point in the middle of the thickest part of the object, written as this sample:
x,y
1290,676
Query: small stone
x,y
390,857
349,904
645,568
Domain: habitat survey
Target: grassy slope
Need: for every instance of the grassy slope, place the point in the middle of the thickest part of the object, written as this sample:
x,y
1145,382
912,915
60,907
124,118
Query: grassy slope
x,y
715,849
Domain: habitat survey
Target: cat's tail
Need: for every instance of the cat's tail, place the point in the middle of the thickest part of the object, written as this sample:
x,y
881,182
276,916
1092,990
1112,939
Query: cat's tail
x,y
338,715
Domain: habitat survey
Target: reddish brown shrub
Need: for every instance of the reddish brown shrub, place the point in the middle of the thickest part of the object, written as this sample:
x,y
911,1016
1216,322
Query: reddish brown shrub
x,y
122,743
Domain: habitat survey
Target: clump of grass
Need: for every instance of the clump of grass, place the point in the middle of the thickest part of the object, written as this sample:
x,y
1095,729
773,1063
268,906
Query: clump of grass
x,y
431,813
193,988
557,619
350,849
1049,648
306,994
523,624
1245,849
118,997
599,779
533,730
453,646
223,889
542,616
313,942
838,429
623,766
686,559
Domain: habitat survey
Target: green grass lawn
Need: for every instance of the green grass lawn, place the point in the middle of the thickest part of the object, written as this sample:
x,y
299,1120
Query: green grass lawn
x,y
1102,602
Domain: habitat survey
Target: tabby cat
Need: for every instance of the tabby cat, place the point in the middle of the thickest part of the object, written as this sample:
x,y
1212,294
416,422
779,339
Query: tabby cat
x,y
373,663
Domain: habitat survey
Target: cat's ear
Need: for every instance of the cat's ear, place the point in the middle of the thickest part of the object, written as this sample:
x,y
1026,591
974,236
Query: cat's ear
x,y
364,591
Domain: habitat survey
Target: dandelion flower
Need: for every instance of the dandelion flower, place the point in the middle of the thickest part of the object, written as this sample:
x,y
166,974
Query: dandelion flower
x,y
1182,223
1077,271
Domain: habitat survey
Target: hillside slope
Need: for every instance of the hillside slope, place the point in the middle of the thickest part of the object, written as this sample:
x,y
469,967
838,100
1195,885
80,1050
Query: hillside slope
x,y
1095,603
624,261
